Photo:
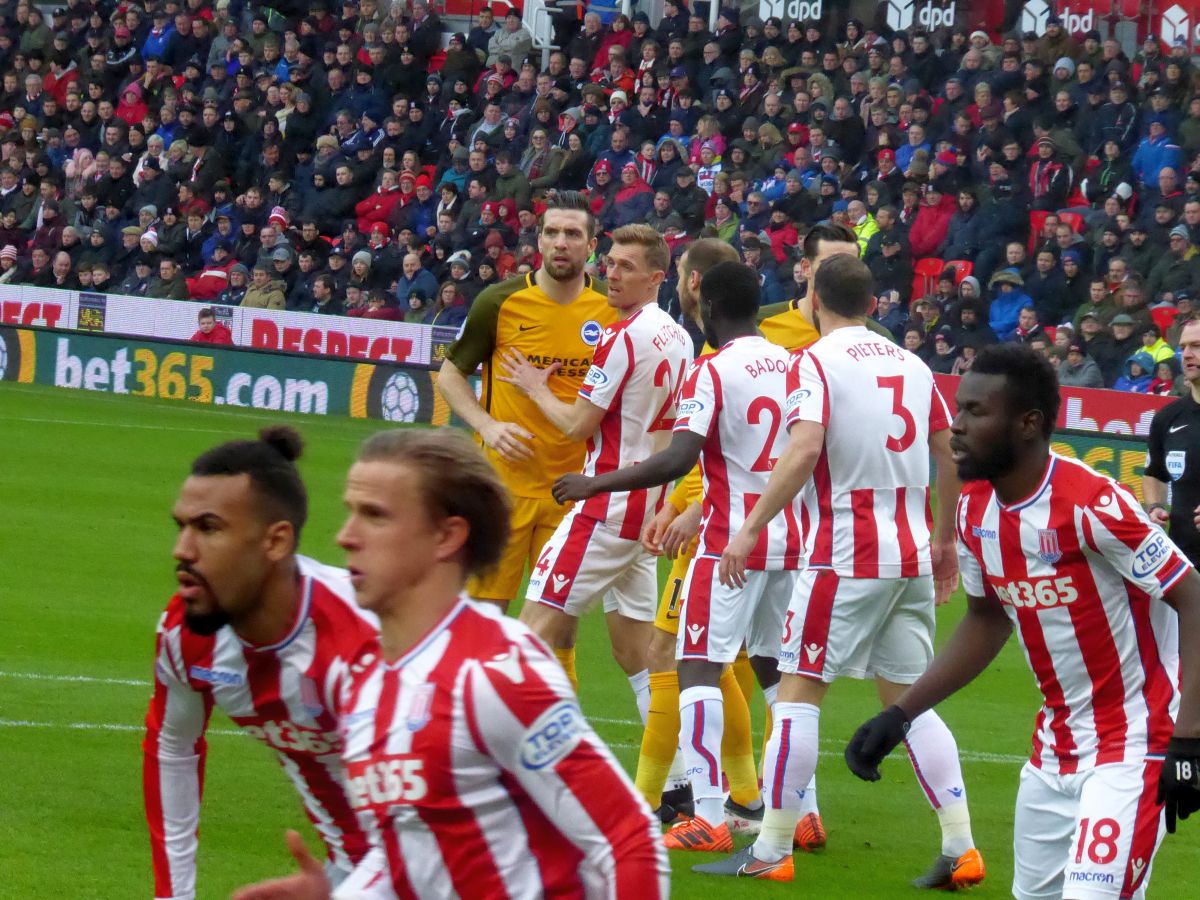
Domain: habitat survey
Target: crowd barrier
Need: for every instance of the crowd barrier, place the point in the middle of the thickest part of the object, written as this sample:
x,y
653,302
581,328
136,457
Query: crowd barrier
x,y
259,329
222,375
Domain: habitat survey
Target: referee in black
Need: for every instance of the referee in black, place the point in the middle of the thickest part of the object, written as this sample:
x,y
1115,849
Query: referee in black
x,y
1173,455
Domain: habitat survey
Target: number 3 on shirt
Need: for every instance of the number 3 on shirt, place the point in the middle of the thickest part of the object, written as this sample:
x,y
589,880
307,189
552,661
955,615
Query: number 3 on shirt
x,y
895,384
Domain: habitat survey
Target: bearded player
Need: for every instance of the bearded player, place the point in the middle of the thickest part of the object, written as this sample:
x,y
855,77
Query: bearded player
x,y
554,318
1107,610
259,632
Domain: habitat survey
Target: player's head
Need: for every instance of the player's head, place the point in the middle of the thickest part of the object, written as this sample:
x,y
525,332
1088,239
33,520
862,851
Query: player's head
x,y
844,286
1007,408
693,265
823,242
425,509
729,300
568,235
240,513
637,264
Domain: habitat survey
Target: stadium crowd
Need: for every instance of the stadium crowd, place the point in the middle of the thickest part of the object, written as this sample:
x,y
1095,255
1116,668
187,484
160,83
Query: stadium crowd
x,y
348,160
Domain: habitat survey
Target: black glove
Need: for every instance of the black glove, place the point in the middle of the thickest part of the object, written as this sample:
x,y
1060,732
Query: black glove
x,y
1179,782
874,740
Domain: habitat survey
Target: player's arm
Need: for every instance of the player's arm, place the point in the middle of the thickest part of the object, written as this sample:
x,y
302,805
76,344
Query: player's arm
x,y
524,716
173,769
576,420
792,471
942,542
1155,476
368,881
980,635
1179,783
473,347
674,462
1144,556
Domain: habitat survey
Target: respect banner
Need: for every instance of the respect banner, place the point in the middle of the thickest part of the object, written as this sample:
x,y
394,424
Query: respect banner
x,y
176,320
221,376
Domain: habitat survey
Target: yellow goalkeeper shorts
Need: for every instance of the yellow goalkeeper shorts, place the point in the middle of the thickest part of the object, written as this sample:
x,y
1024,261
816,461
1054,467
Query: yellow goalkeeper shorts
x,y
533,521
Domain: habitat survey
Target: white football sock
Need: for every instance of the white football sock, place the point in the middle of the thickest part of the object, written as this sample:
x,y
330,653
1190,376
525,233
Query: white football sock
x,y
934,755
791,761
702,720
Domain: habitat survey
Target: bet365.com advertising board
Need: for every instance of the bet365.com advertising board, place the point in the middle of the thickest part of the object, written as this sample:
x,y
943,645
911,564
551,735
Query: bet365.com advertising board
x,y
221,376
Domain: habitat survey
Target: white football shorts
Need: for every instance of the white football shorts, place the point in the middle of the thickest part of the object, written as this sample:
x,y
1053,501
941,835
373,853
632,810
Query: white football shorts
x,y
1091,835
839,627
585,560
716,620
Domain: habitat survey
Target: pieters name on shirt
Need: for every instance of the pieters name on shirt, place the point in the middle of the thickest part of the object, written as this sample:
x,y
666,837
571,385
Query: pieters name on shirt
x,y
859,352
383,782
572,366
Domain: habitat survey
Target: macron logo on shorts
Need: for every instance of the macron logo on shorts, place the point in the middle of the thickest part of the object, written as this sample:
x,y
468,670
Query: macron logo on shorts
x,y
812,657
695,632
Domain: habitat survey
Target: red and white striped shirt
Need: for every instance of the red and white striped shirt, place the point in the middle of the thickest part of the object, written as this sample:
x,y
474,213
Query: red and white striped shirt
x,y
285,695
636,375
1081,571
869,494
483,779
733,397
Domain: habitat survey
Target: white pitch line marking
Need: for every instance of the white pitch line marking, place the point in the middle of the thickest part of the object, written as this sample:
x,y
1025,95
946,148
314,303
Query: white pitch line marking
x,y
965,755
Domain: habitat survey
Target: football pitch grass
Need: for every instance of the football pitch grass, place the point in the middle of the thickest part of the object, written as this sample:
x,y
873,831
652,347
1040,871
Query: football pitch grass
x,y
86,486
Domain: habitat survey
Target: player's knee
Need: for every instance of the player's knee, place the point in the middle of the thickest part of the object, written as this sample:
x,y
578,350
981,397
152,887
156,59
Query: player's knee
x,y
552,625
630,655
661,655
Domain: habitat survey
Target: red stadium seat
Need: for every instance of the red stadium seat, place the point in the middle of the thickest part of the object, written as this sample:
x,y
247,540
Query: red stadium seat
x,y
1037,219
962,268
1075,220
925,274
1164,317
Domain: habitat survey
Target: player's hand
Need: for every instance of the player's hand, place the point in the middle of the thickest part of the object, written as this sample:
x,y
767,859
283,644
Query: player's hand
x,y
945,570
1179,781
652,534
524,375
681,532
572,487
509,440
310,883
732,569
1196,516
1160,517
874,740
